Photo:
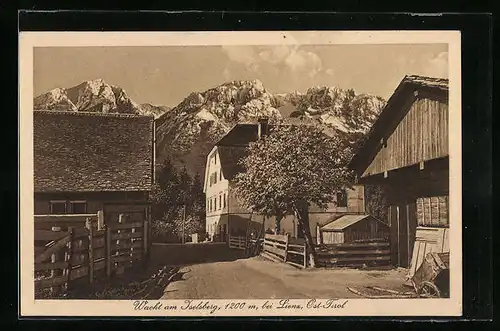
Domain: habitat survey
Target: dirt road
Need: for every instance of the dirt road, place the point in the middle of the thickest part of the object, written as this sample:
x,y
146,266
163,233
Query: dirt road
x,y
257,278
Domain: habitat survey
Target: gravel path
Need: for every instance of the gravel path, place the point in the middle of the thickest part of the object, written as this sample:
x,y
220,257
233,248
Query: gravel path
x,y
257,278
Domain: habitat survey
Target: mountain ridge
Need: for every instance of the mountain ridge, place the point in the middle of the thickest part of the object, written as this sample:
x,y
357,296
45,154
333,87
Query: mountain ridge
x,y
94,96
186,133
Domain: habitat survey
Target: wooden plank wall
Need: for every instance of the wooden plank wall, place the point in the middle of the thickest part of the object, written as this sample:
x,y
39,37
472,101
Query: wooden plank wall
x,y
422,135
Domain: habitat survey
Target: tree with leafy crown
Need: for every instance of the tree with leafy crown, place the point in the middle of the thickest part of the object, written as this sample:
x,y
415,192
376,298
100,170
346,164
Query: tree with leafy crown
x,y
290,169
170,193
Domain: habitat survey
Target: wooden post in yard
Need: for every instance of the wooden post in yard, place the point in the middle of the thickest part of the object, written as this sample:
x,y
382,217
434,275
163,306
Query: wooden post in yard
x,y
287,239
305,255
88,225
183,222
70,255
145,241
54,290
100,220
108,251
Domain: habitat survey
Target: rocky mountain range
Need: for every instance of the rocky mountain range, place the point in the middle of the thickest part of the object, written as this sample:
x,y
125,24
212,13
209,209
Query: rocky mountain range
x,y
94,96
187,132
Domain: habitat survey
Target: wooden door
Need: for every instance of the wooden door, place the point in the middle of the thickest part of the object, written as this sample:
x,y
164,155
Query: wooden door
x,y
411,209
403,220
403,236
394,224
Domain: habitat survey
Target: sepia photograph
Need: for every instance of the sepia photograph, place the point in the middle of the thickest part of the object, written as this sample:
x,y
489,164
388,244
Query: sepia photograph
x,y
240,173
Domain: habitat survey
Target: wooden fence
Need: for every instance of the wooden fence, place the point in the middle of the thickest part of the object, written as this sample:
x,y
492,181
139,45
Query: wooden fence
x,y
369,253
282,248
237,242
68,257
297,253
293,251
275,247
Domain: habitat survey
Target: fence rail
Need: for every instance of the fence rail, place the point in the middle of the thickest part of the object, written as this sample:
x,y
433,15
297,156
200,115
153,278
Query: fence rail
x,y
85,252
237,242
293,251
282,248
366,252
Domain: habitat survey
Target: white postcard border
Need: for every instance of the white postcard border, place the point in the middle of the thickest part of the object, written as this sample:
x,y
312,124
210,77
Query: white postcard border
x,y
353,307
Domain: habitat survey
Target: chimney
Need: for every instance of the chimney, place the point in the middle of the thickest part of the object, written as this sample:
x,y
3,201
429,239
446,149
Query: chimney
x,y
263,127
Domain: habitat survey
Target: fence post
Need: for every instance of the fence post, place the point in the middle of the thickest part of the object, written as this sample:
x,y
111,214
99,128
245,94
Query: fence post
x,y
286,247
53,272
145,240
108,250
70,254
100,220
88,225
305,255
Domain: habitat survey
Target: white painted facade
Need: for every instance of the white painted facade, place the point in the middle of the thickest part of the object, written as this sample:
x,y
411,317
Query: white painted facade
x,y
224,215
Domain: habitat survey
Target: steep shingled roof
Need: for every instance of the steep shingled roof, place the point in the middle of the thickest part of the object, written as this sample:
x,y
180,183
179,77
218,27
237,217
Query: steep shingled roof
x,y
81,152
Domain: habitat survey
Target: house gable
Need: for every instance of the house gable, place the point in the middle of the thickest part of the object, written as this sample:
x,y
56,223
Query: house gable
x,y
412,128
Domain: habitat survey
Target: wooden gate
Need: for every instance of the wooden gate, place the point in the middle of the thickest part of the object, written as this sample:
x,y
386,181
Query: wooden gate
x,y
67,257
237,242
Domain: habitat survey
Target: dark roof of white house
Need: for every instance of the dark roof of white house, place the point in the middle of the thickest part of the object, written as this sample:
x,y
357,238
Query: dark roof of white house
x,y
232,147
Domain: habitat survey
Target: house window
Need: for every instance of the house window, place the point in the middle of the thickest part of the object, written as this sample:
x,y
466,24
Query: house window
x,y
220,174
342,198
220,202
215,203
215,158
224,204
215,178
210,209
78,207
58,207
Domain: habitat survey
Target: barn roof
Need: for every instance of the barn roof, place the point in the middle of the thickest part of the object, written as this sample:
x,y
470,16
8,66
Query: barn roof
x,y
395,105
343,222
81,151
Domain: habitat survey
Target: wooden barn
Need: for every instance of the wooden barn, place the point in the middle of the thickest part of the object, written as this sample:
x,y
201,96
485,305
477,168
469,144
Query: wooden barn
x,y
406,152
88,162
351,228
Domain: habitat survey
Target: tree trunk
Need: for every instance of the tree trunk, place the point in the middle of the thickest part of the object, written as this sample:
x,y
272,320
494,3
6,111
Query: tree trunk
x,y
302,213
277,224
261,235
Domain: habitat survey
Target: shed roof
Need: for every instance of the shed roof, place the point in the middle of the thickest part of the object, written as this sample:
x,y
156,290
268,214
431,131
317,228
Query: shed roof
x,y
343,222
82,151
393,108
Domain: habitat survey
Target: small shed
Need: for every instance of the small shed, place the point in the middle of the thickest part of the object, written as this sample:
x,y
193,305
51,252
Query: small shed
x,y
349,228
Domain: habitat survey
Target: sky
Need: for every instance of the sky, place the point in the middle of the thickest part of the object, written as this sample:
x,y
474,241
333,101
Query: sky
x,y
165,75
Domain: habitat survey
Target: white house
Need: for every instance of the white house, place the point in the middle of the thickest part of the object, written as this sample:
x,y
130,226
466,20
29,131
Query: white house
x,y
224,214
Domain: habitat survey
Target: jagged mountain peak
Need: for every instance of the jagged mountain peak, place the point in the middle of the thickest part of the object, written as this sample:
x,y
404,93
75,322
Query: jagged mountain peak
x,y
94,95
186,133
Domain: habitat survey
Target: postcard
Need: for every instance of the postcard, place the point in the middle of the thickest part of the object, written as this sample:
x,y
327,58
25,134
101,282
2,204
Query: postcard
x,y
270,173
